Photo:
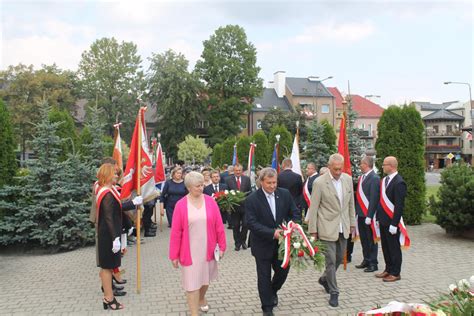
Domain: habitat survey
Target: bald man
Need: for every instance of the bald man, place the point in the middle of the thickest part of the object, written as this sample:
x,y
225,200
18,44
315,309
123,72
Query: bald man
x,y
393,191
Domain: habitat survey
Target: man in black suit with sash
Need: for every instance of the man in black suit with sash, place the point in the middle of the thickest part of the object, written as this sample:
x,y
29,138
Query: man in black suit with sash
x,y
214,187
293,182
393,191
367,200
266,209
239,182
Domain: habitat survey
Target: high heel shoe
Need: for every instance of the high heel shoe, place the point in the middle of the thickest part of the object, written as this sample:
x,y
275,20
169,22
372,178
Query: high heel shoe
x,y
113,305
117,281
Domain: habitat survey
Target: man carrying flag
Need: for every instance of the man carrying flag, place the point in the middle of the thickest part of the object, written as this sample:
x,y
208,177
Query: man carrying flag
x,y
367,199
393,232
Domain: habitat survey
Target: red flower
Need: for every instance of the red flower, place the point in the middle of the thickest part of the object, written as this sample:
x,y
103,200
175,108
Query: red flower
x,y
316,249
300,253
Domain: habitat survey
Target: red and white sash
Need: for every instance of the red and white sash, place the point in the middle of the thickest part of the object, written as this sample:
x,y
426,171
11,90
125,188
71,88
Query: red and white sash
x,y
364,205
101,192
306,194
389,209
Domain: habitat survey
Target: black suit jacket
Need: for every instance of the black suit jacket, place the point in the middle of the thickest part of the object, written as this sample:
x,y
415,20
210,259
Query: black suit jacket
x,y
310,182
371,188
261,223
209,190
396,193
245,185
224,176
292,181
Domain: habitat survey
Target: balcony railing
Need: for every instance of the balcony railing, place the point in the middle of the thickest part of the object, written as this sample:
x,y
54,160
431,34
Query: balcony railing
x,y
454,133
443,148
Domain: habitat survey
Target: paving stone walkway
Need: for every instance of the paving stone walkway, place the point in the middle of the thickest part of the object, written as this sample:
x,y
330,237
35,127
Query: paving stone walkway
x,y
68,283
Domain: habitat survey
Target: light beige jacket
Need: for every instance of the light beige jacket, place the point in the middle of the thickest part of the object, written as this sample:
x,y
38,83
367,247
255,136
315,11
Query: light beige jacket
x,y
325,213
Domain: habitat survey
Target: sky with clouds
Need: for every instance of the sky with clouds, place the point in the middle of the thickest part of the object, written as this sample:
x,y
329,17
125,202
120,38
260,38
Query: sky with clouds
x,y
399,50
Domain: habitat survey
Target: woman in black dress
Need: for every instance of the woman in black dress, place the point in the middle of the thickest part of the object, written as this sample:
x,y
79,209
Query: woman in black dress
x,y
109,218
173,190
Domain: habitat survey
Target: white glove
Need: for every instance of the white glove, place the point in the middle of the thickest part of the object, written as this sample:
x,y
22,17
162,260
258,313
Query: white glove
x,y
368,221
116,245
138,200
392,229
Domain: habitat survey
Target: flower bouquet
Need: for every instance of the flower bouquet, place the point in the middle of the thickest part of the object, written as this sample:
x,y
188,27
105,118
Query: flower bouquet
x,y
299,249
228,200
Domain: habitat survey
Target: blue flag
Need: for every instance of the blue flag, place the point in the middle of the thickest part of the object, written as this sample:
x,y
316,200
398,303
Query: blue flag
x,y
235,159
275,164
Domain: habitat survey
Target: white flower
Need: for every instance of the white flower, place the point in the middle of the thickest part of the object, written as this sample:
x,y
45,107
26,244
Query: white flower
x,y
452,287
471,280
464,284
305,244
226,192
297,245
232,192
312,239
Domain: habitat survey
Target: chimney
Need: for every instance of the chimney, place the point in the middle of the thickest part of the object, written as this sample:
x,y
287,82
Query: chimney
x,y
279,83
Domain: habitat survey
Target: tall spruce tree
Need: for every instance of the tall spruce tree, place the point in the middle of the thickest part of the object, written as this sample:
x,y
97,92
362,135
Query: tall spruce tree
x,y
400,134
50,209
356,145
317,150
8,164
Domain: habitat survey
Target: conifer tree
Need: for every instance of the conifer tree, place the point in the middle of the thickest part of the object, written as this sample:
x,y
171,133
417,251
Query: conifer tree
x,y
356,145
50,206
316,149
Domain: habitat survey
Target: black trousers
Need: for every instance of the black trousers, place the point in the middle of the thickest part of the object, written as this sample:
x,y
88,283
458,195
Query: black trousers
x,y
268,286
147,214
392,253
239,226
369,247
350,248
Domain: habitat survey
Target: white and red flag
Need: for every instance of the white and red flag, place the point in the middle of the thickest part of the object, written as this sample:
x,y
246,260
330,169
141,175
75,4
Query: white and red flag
x,y
343,146
142,182
251,164
117,154
159,166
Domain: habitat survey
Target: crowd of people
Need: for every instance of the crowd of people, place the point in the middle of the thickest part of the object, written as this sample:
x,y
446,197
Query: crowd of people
x,y
335,207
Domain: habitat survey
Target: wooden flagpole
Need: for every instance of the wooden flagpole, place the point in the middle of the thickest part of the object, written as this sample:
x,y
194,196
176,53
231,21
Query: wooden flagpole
x,y
139,189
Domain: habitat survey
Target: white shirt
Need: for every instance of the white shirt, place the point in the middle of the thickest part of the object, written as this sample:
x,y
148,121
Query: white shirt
x,y
271,201
216,187
390,177
338,186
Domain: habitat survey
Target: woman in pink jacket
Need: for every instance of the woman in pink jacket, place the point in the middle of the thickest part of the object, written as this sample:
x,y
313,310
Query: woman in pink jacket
x,y
196,232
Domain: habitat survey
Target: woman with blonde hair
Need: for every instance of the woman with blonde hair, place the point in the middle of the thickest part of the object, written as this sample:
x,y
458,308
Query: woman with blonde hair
x,y
197,239
173,190
109,228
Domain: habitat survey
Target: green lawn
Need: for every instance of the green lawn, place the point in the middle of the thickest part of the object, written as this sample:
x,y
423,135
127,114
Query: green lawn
x,y
430,190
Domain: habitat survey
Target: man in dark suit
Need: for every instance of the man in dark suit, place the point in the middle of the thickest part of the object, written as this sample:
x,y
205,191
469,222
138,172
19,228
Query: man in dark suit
x,y
291,181
239,182
395,191
366,202
228,171
266,209
311,175
214,187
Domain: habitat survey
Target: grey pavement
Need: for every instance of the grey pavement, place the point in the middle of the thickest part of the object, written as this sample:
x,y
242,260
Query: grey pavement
x,y
68,283
432,178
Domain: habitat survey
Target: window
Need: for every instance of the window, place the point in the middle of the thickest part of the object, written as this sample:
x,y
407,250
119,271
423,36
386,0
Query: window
x,y
362,126
435,142
203,124
436,128
325,108
449,142
259,124
370,129
449,129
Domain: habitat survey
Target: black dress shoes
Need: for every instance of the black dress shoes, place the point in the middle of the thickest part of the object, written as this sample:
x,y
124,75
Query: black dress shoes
x,y
333,300
150,233
237,248
268,313
324,284
372,268
244,246
363,265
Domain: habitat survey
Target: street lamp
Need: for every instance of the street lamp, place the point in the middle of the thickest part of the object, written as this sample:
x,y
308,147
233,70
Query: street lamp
x,y
371,96
330,77
472,112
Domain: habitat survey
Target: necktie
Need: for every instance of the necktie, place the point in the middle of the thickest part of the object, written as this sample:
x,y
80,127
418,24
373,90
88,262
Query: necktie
x,y
386,181
363,177
271,198
216,188
238,183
